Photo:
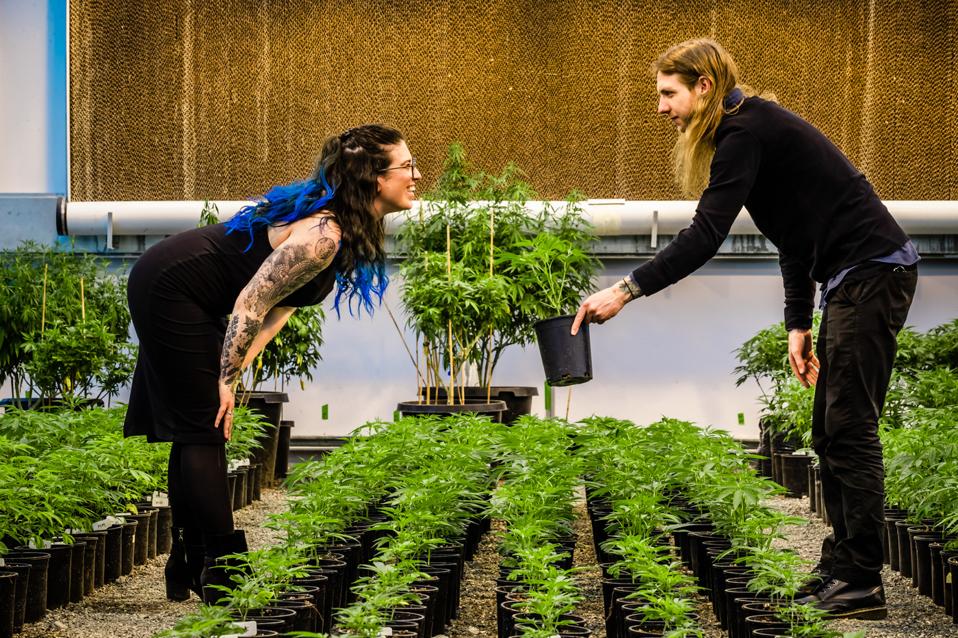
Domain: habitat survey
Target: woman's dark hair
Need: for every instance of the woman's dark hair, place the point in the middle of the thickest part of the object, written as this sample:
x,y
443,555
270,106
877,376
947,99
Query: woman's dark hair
x,y
344,182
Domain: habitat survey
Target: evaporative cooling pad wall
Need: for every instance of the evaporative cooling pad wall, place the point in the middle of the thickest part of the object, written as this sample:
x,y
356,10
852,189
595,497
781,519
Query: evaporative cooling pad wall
x,y
189,99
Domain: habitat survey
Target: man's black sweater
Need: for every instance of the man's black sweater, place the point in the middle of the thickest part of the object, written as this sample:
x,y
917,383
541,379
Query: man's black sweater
x,y
803,195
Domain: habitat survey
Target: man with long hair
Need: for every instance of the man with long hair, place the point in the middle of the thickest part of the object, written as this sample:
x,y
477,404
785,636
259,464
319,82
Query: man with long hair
x,y
736,149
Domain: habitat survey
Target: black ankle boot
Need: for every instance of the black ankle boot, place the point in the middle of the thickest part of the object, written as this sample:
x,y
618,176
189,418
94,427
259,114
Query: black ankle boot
x,y
177,573
184,565
216,572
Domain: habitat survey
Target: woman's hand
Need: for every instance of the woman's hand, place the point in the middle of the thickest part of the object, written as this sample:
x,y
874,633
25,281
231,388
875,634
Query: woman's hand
x,y
225,413
801,357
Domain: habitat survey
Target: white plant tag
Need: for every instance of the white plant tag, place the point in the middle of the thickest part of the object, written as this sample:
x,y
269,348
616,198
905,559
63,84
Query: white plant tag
x,y
2,564
160,499
106,523
385,632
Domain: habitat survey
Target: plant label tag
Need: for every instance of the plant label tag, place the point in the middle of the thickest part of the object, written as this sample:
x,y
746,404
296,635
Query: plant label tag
x,y
385,632
160,499
2,564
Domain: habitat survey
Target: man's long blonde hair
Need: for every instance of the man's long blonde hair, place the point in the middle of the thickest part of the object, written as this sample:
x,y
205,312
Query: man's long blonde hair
x,y
691,60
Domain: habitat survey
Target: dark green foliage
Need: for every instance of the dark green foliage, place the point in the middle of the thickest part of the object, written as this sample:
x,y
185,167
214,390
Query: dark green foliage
x,y
96,328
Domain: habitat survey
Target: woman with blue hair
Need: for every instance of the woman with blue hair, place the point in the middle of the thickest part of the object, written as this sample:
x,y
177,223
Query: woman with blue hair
x,y
288,250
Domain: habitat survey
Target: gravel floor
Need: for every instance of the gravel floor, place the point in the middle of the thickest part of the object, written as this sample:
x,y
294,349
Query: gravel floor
x,y
136,606
909,614
477,614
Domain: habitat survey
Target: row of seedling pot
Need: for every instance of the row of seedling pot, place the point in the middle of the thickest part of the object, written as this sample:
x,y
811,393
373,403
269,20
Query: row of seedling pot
x,y
671,495
537,590
921,485
920,533
374,542
72,512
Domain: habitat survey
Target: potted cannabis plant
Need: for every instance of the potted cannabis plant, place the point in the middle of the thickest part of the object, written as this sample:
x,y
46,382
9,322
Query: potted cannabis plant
x,y
63,327
466,299
557,262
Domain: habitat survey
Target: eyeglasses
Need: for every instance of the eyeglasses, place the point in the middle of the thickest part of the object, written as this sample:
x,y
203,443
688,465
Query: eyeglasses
x,y
411,165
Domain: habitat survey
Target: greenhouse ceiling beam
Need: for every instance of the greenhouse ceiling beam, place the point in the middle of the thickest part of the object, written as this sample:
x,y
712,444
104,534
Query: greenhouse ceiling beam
x,y
611,217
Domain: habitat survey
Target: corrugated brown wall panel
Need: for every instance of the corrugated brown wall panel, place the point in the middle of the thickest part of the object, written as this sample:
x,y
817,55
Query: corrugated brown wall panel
x,y
194,99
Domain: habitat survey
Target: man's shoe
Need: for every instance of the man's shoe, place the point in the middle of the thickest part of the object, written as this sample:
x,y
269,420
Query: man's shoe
x,y
806,593
844,600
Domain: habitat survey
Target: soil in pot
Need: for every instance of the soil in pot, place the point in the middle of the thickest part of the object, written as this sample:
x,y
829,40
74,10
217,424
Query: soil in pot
x,y
36,606
567,359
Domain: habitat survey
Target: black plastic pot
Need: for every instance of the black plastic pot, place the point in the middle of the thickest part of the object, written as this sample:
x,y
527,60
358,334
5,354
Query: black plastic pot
x,y
270,405
252,488
113,561
58,576
239,488
36,606
567,359
164,531
22,571
518,399
8,601
951,588
141,537
129,547
493,409
96,557
78,571
812,492
282,450
794,473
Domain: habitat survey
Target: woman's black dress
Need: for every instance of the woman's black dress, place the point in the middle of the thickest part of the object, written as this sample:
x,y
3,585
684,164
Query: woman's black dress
x,y
180,292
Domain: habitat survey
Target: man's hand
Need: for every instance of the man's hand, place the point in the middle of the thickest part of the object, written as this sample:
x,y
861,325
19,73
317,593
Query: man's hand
x,y
801,357
602,306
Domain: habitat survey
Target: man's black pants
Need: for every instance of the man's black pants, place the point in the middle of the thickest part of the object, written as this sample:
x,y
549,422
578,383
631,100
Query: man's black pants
x,y
856,348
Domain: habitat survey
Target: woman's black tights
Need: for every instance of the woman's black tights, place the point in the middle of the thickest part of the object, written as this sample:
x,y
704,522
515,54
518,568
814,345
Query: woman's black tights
x,y
199,492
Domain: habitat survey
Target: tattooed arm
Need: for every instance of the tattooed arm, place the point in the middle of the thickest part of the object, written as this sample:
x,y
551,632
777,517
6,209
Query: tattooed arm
x,y
272,324
303,254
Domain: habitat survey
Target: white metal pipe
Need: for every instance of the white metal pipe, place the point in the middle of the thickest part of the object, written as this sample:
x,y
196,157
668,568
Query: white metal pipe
x,y
611,217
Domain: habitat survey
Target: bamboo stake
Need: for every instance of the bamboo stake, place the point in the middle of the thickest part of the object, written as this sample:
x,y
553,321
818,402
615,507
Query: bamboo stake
x,y
452,362
43,311
568,400
82,301
492,234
